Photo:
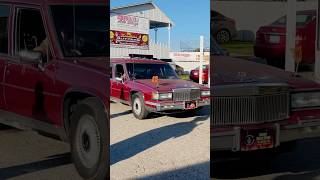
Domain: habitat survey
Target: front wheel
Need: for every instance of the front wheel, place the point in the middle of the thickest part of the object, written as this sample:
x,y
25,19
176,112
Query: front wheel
x,y
90,140
138,107
223,36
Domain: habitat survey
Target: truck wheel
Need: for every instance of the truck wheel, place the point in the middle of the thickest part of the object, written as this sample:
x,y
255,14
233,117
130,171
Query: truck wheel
x,y
138,107
223,36
90,139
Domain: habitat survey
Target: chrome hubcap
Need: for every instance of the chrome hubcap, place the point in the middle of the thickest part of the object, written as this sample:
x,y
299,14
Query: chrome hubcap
x,y
137,106
223,36
88,141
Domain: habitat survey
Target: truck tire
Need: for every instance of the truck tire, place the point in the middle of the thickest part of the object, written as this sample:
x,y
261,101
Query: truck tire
x,y
90,139
223,36
138,107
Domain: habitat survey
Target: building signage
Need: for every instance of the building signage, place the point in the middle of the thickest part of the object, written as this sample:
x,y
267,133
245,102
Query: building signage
x,y
126,23
124,39
189,56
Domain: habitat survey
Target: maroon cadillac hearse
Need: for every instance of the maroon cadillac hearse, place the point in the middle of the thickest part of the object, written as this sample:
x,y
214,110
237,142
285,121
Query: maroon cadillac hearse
x,y
53,71
256,106
153,86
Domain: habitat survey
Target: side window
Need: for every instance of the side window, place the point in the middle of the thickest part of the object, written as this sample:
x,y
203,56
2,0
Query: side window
x,y
4,16
30,33
119,71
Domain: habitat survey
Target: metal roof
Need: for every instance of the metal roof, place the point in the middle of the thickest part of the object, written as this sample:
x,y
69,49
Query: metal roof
x,y
149,10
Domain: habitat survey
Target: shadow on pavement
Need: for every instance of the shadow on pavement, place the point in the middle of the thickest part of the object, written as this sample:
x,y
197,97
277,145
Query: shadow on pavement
x,y
196,171
139,143
49,162
302,163
120,114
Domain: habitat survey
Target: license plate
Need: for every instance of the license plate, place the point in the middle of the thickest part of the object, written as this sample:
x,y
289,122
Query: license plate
x,y
190,105
274,39
254,139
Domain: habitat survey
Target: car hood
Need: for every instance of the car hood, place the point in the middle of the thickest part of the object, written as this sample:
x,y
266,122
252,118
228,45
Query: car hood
x,y
227,71
167,85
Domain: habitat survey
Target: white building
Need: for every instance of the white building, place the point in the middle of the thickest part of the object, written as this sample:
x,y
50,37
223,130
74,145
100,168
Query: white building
x,y
189,60
139,20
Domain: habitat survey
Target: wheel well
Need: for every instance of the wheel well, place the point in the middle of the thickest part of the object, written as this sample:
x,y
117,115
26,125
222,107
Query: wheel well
x,y
131,94
70,100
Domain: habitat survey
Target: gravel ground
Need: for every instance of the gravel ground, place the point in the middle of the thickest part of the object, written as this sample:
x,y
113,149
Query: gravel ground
x,y
162,147
27,155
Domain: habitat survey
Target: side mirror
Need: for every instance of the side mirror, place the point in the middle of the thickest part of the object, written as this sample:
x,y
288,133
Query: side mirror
x,y
119,79
30,57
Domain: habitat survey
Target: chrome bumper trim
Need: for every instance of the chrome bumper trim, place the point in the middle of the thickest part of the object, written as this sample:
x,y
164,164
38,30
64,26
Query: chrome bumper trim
x,y
230,140
175,106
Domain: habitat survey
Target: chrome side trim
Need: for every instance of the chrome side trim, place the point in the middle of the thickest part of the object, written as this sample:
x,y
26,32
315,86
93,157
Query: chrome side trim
x,y
26,123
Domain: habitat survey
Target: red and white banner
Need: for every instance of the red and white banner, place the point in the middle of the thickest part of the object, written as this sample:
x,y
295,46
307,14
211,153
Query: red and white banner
x,y
123,39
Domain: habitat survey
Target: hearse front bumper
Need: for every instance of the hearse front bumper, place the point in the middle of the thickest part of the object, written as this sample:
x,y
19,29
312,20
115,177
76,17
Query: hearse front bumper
x,y
172,106
229,140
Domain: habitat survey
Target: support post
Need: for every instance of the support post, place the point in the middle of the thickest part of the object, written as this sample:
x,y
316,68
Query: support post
x,y
317,47
155,35
201,60
169,35
290,36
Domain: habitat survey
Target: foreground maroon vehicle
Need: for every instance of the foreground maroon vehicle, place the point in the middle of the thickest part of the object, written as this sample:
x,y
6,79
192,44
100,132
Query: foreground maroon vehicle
x,y
256,106
52,83
271,40
194,74
134,82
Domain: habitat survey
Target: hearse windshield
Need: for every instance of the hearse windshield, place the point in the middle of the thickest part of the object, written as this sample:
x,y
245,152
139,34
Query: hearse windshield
x,y
148,70
81,29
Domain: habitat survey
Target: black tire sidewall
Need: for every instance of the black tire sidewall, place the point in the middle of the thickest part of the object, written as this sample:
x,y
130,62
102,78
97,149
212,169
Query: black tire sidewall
x,y
96,110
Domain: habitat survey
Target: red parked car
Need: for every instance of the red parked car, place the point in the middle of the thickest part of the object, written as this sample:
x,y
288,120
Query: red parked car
x,y
271,39
194,74
153,86
258,107
54,81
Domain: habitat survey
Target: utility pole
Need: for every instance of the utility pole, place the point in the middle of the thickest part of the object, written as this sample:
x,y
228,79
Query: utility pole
x,y
201,60
290,36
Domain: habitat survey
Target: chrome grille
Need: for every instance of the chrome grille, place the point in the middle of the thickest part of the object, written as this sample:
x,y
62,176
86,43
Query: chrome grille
x,y
186,94
249,109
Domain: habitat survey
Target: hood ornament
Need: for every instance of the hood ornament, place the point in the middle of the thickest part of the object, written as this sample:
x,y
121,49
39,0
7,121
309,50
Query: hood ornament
x,y
155,81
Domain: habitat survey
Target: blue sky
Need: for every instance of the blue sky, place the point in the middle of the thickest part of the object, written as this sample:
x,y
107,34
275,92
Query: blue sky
x,y
191,18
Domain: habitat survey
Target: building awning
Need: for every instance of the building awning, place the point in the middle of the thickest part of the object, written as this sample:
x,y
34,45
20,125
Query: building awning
x,y
149,10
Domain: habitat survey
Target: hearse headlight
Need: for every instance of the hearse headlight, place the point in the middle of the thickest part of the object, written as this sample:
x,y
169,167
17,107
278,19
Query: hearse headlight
x,y
205,93
161,96
305,99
